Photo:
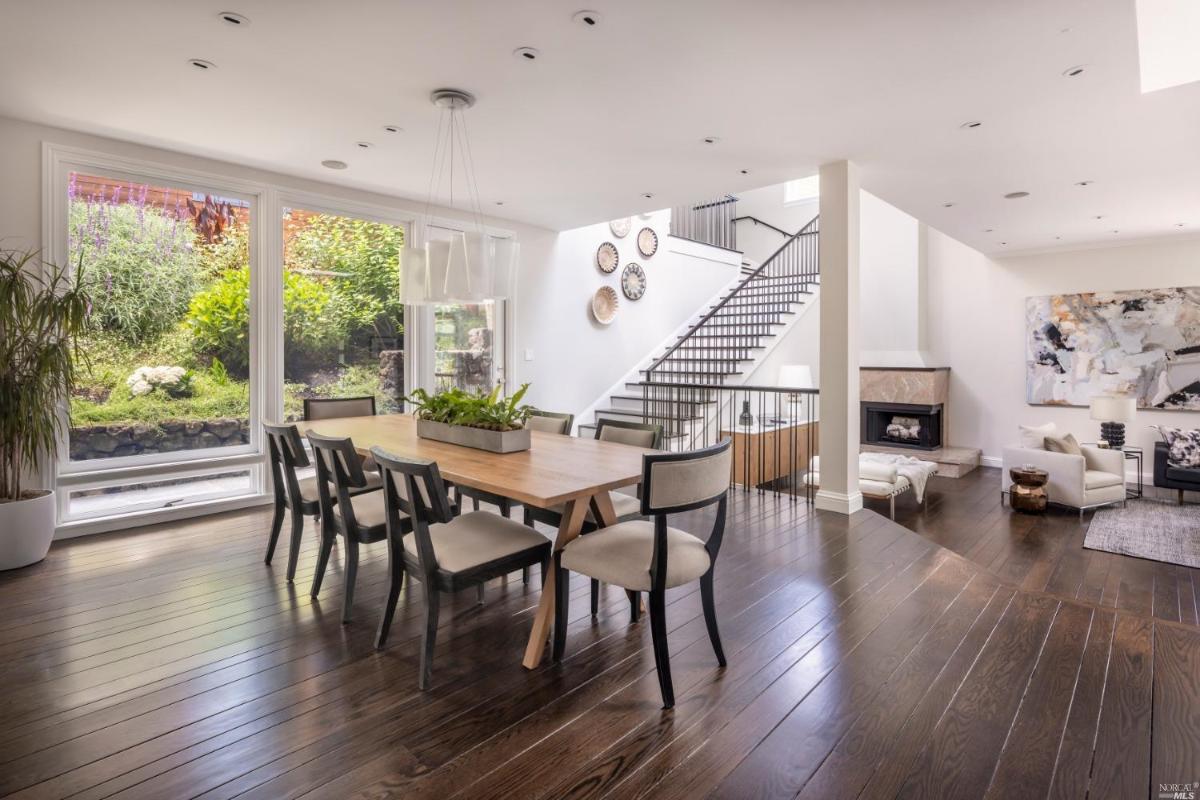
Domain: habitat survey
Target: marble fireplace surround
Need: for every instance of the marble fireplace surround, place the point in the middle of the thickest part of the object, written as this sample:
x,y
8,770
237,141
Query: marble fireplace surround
x,y
926,386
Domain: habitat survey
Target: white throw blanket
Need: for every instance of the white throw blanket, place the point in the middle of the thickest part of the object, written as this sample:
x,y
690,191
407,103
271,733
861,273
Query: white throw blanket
x,y
914,469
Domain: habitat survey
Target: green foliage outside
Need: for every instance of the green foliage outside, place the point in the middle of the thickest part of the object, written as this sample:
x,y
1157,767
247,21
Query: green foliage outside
x,y
142,267
163,297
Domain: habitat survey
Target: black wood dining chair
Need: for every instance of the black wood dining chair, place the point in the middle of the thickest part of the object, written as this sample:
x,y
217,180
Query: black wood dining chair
x,y
359,518
650,556
544,421
647,435
299,496
444,552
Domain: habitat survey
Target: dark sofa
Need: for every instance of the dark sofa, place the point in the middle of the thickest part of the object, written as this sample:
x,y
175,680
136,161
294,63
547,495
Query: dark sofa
x,y
1168,477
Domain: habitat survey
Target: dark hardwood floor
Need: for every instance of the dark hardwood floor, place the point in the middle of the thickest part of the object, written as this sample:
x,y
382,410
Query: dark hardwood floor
x,y
988,656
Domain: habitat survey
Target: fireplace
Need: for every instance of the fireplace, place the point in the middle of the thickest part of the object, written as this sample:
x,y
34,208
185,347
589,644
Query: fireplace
x,y
918,427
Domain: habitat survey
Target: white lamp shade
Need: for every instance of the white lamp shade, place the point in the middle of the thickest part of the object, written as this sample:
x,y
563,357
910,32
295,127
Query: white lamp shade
x,y
796,376
460,268
1113,408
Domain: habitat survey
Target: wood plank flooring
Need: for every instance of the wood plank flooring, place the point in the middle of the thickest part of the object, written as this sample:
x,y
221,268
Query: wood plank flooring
x,y
986,655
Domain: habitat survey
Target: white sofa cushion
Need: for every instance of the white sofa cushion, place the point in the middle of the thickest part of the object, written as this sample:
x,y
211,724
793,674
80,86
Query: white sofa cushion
x,y
1094,479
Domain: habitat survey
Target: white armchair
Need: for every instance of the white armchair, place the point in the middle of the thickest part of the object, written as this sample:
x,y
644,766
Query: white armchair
x,y
1096,478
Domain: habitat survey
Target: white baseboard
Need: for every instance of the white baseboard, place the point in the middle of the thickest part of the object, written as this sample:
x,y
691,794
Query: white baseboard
x,y
838,502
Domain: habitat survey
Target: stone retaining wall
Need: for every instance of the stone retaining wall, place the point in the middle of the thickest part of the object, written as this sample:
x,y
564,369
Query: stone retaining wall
x,y
168,436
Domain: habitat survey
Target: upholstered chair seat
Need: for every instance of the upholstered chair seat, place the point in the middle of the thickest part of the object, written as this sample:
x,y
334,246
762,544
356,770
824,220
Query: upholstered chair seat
x,y
309,492
624,506
476,538
621,555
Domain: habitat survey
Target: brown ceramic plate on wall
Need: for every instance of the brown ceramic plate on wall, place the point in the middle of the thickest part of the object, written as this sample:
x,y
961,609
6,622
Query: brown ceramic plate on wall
x,y
604,305
607,258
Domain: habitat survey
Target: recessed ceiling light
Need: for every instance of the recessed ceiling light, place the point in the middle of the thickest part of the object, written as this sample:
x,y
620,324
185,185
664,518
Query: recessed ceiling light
x,y
947,205
364,145
526,53
392,128
648,195
234,19
1098,216
1004,243
1057,237
711,139
1116,231
971,124
744,171
499,202
1016,195
200,63
588,19
988,230
333,163
1084,183
1178,224
1073,72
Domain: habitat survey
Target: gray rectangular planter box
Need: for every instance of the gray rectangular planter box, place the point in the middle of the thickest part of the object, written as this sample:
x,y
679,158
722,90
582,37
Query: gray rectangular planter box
x,y
479,438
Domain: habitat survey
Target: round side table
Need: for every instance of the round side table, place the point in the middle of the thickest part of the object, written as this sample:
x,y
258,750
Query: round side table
x,y
1028,491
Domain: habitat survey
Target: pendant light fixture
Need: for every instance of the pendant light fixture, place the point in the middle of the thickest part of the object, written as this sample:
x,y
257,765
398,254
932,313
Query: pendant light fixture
x,y
456,266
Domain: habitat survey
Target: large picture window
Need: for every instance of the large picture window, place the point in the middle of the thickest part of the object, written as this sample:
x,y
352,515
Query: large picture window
x,y
167,363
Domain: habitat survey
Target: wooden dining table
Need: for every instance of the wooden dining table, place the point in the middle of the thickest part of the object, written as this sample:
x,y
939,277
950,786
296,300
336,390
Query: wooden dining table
x,y
556,470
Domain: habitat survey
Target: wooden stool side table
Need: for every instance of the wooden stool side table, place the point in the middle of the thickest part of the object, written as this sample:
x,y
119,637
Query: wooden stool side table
x,y
1028,492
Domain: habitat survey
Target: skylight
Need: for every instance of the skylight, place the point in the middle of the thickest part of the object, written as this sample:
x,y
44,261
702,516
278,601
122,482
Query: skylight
x,y
1168,31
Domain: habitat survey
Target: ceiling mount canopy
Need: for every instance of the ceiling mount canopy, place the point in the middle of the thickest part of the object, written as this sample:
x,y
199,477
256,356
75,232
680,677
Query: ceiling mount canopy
x,y
456,266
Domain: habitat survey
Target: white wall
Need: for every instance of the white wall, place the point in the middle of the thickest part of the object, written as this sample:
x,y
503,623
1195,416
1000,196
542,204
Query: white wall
x,y
977,328
890,285
575,358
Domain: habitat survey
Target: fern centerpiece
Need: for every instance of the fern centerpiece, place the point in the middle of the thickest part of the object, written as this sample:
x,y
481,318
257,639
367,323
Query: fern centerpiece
x,y
473,419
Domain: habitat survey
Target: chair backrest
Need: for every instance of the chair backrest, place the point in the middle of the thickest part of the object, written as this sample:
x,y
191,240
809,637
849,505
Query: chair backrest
x,y
673,482
414,488
550,422
336,407
339,469
638,434
285,452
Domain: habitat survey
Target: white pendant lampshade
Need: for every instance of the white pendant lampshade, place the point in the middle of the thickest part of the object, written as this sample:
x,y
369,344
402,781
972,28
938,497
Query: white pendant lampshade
x,y
463,267
1113,408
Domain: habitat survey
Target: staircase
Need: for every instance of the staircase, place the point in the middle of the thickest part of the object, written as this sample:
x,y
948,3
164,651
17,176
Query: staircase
x,y
680,388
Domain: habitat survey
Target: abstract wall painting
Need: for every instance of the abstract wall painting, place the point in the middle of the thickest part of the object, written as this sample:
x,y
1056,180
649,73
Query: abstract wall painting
x,y
1145,343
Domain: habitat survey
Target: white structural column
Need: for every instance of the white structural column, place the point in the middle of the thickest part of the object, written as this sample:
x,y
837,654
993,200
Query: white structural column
x,y
839,427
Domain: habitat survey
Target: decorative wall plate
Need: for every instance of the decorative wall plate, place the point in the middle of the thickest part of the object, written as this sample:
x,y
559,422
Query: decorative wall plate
x,y
633,281
607,257
604,304
647,242
620,227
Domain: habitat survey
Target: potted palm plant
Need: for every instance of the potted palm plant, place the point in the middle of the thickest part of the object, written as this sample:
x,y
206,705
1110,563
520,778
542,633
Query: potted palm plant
x,y
42,312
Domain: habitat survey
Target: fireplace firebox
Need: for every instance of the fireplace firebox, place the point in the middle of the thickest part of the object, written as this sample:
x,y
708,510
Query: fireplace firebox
x,y
902,425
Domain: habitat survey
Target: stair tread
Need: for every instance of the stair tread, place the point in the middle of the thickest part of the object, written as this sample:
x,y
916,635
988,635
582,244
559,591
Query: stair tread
x,y
678,400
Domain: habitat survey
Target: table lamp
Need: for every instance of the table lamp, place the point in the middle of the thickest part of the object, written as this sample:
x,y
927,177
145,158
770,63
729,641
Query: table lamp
x,y
795,376
1113,411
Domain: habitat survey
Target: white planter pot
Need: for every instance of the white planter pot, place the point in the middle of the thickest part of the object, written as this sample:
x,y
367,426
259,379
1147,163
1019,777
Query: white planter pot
x,y
26,530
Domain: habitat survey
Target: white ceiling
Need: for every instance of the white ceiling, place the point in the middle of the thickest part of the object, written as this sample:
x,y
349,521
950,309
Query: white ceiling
x,y
610,112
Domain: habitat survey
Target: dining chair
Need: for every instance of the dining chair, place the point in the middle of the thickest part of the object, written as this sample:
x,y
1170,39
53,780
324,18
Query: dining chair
x,y
317,408
647,435
446,553
359,518
648,555
544,421
286,454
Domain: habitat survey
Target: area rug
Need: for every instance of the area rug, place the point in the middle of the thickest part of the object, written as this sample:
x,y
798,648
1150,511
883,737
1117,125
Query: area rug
x,y
1155,529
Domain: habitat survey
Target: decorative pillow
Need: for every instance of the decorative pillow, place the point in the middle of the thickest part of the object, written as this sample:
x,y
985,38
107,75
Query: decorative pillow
x,y
1063,444
1033,436
1184,448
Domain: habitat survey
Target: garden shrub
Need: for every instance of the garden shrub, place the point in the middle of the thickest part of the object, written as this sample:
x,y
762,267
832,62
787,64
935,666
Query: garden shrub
x,y
364,258
219,320
140,265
